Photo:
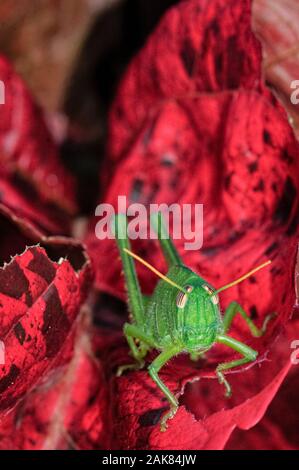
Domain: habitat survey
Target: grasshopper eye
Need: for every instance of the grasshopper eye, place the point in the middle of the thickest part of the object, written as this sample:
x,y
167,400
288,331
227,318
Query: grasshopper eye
x,y
214,297
182,298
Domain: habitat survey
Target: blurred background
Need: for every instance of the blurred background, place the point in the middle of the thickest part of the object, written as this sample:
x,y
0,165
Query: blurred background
x,y
72,54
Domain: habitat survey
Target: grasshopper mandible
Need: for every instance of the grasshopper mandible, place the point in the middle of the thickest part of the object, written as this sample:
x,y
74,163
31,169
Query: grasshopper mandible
x,y
182,315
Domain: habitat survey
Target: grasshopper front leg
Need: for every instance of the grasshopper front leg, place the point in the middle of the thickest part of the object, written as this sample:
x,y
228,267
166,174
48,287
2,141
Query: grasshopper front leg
x,y
153,369
248,354
132,333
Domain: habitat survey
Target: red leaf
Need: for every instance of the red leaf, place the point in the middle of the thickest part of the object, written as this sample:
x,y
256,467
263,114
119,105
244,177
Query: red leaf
x,y
205,419
41,291
27,151
278,429
135,430
68,410
226,143
219,149
199,46
250,162
37,213
275,28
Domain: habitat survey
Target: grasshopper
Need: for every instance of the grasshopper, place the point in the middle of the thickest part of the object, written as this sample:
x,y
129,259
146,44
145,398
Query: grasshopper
x,y
182,315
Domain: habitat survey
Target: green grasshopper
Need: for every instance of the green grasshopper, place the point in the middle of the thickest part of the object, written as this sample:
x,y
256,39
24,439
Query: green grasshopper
x,y
182,316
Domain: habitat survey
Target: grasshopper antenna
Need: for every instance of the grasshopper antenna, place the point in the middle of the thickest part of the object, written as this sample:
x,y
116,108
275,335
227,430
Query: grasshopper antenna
x,y
250,273
154,270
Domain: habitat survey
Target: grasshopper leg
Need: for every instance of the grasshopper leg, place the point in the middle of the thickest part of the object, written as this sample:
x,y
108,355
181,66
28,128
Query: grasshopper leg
x,y
248,354
153,369
169,251
235,308
135,298
131,333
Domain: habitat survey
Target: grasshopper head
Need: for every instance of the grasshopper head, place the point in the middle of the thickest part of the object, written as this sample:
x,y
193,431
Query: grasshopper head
x,y
200,313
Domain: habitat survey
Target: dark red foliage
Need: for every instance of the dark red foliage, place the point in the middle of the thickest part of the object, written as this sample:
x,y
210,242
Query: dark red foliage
x,y
192,123
38,214
69,409
44,280
28,156
41,291
278,430
199,46
205,419
214,136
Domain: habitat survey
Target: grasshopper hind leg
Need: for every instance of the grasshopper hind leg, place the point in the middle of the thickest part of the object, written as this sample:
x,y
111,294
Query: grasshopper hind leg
x,y
233,309
169,251
135,297
132,331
